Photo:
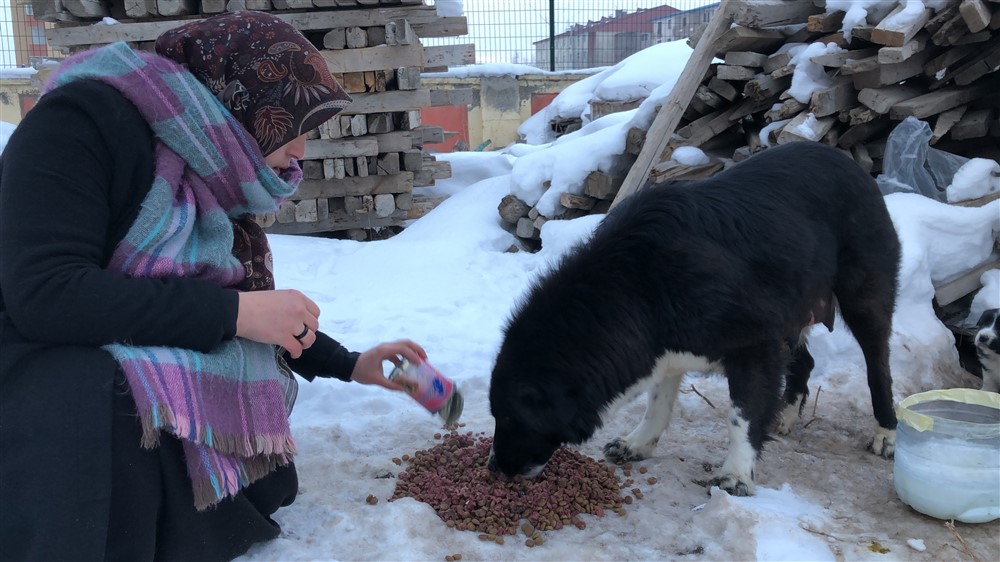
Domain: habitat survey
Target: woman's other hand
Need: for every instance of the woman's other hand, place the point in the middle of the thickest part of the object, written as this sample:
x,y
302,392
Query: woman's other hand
x,y
283,317
368,369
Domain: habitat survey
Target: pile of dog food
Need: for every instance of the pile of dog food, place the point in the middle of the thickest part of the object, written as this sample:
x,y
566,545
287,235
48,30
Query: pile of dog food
x,y
452,477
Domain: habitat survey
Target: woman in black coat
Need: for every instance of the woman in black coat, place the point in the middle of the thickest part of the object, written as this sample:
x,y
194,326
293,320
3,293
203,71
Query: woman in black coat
x,y
95,462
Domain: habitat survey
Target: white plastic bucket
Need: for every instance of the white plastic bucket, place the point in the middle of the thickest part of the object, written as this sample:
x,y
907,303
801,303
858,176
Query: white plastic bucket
x,y
948,454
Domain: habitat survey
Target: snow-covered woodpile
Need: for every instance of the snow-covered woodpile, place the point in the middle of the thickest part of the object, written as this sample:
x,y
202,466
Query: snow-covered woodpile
x,y
792,70
361,166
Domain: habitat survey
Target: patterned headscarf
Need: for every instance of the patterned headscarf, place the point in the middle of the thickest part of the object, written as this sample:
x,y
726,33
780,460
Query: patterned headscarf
x,y
262,69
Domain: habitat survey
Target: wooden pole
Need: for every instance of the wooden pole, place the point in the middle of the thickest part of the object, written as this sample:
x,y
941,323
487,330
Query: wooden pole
x,y
673,107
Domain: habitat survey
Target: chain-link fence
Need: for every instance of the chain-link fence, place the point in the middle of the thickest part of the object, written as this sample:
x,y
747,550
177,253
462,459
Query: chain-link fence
x,y
547,34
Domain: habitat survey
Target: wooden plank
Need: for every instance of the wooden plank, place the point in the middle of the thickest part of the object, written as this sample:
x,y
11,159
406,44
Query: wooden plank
x,y
887,74
313,20
318,149
935,102
394,100
889,55
762,13
899,27
373,58
833,99
945,121
976,14
661,130
339,220
974,124
840,59
882,99
954,288
449,55
354,186
740,38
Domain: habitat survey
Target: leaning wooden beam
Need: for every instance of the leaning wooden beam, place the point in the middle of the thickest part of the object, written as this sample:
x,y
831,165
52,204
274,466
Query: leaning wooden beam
x,y
667,119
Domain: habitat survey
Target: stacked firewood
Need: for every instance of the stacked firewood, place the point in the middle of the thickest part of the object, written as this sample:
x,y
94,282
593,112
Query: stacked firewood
x,y
361,166
937,66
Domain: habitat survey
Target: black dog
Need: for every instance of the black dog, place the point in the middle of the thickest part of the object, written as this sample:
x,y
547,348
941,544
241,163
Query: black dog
x,y
719,274
988,349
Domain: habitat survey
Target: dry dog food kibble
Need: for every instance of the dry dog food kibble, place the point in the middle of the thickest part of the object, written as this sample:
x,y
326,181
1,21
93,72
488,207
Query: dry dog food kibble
x,y
453,479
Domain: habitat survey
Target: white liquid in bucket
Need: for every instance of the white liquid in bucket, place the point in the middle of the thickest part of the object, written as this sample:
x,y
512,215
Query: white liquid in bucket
x,y
946,473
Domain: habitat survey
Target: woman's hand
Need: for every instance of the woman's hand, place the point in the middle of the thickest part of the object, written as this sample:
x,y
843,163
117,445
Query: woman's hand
x,y
279,318
368,369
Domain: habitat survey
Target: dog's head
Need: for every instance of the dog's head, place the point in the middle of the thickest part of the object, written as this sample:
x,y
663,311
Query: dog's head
x,y
986,336
536,411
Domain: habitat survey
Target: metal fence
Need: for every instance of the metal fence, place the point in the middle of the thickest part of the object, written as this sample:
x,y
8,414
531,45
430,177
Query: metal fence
x,y
575,34
547,34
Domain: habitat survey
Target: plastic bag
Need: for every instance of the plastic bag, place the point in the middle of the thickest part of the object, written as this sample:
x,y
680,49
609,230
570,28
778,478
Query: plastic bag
x,y
911,165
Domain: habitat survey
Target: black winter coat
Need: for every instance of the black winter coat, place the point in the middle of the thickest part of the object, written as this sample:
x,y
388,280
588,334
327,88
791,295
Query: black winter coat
x,y
72,178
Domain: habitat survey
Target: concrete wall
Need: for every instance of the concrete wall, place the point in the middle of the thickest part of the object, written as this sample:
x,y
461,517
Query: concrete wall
x,y
17,96
499,103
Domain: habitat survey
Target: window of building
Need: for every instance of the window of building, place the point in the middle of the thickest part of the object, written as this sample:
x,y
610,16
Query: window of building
x,y
38,35
29,10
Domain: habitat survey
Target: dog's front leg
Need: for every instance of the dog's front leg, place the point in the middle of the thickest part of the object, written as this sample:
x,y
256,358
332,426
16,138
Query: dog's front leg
x,y
640,443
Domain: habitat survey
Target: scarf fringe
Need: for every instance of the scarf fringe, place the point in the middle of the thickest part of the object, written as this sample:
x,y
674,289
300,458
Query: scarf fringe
x,y
253,469
238,445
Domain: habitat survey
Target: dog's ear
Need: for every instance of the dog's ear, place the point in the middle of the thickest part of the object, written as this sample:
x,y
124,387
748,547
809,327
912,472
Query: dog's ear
x,y
988,318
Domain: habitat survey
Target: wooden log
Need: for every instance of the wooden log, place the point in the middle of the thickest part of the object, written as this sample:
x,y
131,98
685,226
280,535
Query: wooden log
x,y
950,57
335,39
785,110
388,164
600,185
860,66
511,209
572,201
357,37
826,23
661,130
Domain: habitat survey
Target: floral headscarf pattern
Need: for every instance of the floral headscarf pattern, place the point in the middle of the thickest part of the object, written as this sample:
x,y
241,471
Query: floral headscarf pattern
x,y
262,69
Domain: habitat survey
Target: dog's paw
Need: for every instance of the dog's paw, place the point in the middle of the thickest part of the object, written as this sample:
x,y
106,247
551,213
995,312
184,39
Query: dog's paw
x,y
618,451
787,419
733,485
884,443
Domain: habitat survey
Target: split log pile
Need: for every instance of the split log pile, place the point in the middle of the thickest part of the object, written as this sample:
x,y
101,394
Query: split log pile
x,y
937,66
361,166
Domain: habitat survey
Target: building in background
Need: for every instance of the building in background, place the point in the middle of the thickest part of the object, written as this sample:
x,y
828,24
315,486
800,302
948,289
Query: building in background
x,y
605,42
29,40
681,25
